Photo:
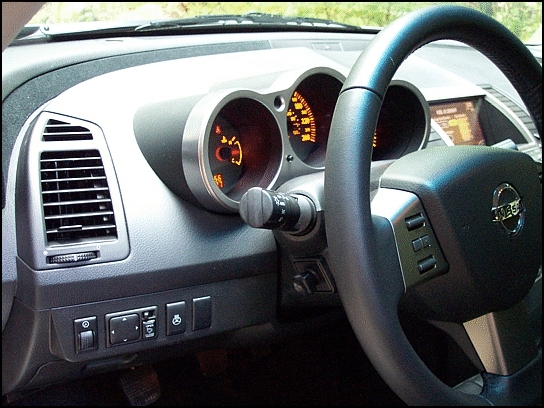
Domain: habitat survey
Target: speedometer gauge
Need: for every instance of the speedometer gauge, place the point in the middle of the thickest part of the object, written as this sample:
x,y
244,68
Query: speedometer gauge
x,y
301,126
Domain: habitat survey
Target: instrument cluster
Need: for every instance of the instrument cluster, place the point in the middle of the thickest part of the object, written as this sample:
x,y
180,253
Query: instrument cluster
x,y
235,139
241,139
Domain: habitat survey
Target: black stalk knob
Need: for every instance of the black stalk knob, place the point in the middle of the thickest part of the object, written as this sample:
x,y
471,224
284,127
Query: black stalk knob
x,y
268,209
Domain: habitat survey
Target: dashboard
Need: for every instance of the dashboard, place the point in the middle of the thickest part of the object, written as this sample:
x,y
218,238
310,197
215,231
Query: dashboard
x,y
128,161
211,138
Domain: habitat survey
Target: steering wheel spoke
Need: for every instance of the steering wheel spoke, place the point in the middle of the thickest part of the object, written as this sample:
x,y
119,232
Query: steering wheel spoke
x,y
418,250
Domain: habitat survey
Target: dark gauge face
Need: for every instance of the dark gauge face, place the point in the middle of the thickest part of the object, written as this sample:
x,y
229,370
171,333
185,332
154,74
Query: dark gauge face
x,y
403,123
226,154
301,126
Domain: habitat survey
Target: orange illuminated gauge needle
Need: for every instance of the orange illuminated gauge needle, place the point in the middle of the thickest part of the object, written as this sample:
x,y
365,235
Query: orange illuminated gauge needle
x,y
237,153
230,150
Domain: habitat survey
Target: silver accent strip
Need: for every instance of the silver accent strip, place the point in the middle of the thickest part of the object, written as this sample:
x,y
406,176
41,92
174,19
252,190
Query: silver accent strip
x,y
503,340
506,111
443,135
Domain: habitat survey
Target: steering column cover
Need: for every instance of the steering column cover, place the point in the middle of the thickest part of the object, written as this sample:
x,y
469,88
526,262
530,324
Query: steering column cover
x,y
370,285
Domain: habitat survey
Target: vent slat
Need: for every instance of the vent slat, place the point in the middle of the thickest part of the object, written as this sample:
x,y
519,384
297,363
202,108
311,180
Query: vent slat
x,y
55,131
77,206
72,159
89,214
76,202
75,190
71,168
88,228
69,179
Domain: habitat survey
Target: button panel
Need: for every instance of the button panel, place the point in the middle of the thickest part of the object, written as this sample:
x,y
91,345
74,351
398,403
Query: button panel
x,y
81,333
131,326
136,325
419,252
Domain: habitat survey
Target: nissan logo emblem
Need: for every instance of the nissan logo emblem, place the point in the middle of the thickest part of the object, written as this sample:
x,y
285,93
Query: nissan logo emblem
x,y
508,209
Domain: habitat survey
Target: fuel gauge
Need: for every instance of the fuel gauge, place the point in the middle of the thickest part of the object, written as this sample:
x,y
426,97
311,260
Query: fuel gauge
x,y
225,154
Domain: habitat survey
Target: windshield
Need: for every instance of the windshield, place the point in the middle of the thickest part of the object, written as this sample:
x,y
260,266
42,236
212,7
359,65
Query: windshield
x,y
523,18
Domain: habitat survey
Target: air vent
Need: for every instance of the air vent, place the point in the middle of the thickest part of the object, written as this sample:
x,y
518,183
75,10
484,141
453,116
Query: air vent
x,y
514,107
56,131
76,198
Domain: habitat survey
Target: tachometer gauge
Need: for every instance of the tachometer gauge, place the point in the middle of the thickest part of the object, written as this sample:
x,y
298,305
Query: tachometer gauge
x,y
301,126
225,154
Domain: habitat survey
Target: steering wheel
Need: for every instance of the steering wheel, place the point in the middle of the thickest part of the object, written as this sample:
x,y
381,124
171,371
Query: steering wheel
x,y
453,234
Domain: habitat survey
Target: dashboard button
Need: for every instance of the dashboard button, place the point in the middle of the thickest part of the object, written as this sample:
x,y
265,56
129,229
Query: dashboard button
x,y
124,329
175,318
149,329
86,334
202,313
86,340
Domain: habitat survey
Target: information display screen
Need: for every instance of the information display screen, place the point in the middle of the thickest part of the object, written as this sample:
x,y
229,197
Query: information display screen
x,y
459,120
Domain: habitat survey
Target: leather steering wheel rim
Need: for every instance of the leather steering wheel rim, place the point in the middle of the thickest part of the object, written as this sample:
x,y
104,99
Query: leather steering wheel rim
x,y
371,285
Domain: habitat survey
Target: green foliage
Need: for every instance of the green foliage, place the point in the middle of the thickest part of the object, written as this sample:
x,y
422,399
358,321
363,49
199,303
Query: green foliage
x,y
522,18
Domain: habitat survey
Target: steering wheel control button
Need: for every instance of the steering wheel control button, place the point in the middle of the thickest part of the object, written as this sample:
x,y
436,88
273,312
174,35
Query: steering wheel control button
x,y
427,264
202,313
415,221
175,318
85,334
124,329
420,243
417,244
425,241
